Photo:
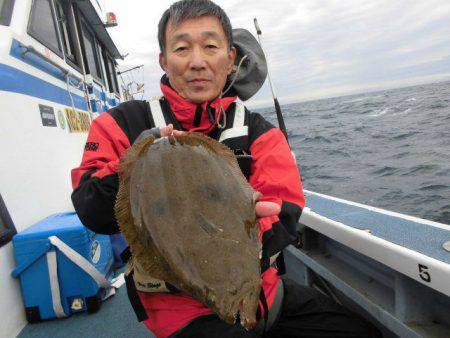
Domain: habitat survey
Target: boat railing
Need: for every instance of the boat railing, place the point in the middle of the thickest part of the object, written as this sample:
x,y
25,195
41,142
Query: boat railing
x,y
393,268
66,73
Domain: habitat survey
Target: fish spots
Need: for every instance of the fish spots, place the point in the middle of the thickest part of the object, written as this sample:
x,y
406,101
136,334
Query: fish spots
x,y
160,207
213,193
187,203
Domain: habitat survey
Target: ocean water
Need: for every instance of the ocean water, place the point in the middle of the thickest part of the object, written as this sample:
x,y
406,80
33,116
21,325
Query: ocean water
x,y
389,149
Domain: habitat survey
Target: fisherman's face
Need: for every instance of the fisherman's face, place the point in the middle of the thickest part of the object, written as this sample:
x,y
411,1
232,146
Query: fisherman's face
x,y
197,59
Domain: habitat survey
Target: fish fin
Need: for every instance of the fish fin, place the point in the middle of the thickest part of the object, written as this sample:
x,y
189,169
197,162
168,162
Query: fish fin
x,y
143,251
132,154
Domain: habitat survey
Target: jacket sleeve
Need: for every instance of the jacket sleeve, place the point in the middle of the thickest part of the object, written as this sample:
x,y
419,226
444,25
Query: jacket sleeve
x,y
275,175
95,181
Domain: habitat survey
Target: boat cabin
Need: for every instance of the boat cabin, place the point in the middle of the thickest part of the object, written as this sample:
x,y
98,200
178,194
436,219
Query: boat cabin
x,y
57,73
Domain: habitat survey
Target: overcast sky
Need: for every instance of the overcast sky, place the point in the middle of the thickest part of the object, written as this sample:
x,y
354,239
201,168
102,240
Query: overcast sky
x,y
315,48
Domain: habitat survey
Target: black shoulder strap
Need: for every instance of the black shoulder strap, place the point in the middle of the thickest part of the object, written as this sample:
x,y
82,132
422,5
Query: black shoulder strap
x,y
262,298
135,301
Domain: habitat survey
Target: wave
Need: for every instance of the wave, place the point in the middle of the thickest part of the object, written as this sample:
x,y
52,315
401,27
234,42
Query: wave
x,y
404,112
401,148
444,217
401,155
436,106
433,187
356,100
421,169
317,139
338,152
404,135
380,112
385,171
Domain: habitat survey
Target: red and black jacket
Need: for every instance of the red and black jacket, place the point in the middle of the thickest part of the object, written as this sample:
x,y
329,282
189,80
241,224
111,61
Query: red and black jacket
x,y
272,171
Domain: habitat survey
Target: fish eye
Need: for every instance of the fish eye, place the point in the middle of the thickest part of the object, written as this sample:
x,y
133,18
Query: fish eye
x,y
159,207
212,193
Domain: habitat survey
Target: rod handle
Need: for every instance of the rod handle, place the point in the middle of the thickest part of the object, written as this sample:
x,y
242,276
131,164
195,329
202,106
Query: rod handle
x,y
258,30
280,118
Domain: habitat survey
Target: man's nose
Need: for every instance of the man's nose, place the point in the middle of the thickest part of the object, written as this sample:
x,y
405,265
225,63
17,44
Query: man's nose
x,y
198,61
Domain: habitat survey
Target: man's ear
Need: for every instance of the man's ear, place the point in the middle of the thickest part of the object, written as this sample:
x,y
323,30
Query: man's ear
x,y
163,62
231,58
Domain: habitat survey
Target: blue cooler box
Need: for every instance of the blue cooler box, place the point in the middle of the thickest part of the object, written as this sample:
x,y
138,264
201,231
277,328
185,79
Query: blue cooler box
x,y
63,267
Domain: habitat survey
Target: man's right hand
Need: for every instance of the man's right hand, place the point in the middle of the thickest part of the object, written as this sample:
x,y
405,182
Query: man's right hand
x,y
166,131
159,132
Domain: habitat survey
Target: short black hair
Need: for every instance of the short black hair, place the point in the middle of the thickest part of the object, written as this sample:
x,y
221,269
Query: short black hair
x,y
188,9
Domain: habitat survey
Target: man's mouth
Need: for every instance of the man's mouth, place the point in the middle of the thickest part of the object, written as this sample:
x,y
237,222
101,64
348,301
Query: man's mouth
x,y
198,81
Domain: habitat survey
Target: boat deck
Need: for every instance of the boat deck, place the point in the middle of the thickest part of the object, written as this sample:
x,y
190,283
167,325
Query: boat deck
x,y
395,240
116,318
419,235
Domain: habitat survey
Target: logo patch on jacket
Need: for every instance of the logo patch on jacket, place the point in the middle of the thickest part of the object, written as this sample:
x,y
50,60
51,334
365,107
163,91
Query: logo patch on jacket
x,y
91,146
149,285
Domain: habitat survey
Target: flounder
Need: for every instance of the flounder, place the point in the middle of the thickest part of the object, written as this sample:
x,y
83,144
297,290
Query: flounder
x,y
188,214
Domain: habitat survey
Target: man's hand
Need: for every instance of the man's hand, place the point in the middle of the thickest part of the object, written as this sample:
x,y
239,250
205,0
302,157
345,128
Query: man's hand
x,y
267,209
169,131
166,131
159,132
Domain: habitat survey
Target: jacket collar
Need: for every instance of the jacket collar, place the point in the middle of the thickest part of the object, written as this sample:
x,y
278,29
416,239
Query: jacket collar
x,y
191,116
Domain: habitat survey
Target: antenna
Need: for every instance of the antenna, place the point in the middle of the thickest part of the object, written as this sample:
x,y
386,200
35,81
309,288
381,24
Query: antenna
x,y
130,87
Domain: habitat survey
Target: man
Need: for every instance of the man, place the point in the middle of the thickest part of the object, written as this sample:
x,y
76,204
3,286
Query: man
x,y
197,55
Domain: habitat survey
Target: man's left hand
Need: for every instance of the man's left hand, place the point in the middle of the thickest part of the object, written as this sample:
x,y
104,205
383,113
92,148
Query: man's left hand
x,y
267,209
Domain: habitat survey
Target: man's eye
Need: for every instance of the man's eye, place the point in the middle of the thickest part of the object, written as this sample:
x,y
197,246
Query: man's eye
x,y
179,49
211,46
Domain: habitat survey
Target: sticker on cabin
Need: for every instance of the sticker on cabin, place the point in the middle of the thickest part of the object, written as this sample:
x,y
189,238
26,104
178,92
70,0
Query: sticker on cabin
x,y
95,252
61,119
47,116
77,120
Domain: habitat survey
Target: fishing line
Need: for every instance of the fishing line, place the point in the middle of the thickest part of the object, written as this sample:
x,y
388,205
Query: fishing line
x,y
221,110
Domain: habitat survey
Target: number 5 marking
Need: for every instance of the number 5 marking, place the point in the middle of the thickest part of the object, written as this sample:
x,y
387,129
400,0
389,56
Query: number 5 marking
x,y
423,273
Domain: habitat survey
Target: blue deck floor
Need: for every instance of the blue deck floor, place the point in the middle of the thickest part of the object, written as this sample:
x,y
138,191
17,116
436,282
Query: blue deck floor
x,y
115,319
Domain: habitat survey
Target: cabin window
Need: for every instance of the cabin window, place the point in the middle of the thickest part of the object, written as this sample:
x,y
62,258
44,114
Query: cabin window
x,y
67,31
111,74
102,61
6,7
42,25
7,229
91,56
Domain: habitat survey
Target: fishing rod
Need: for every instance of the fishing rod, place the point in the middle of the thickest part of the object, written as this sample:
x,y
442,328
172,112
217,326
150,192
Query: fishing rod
x,y
275,100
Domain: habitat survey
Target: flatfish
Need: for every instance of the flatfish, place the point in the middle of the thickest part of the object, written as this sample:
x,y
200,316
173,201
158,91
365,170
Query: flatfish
x,y
188,214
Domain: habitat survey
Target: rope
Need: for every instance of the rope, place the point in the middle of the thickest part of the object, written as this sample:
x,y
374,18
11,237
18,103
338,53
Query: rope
x,y
221,110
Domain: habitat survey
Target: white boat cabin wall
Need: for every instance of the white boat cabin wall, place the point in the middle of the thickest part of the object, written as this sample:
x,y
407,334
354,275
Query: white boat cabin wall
x,y
57,73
